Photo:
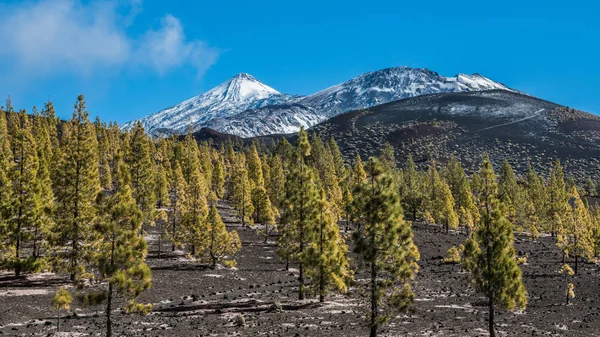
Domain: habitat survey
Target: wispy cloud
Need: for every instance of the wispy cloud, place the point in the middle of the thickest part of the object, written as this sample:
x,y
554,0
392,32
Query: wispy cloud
x,y
67,36
167,48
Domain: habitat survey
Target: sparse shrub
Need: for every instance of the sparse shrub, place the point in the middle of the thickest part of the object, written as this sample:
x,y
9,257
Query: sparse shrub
x,y
240,321
568,272
453,255
61,301
275,307
522,259
570,292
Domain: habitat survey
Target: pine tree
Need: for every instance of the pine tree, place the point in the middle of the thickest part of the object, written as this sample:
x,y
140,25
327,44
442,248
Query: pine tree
x,y
357,177
338,160
578,227
255,173
61,301
489,252
388,158
161,186
6,162
51,121
276,188
194,226
411,189
241,190
218,178
300,215
76,188
104,153
568,272
348,207
440,203
464,203
385,244
263,210
221,242
26,204
257,186
121,254
177,207
300,211
557,195
44,220
537,194
358,173
327,264
141,166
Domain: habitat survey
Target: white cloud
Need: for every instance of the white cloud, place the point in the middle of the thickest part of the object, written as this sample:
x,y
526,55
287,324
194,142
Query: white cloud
x,y
167,48
58,36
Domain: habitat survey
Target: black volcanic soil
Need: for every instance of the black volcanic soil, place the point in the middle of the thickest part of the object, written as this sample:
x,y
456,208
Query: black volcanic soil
x,y
193,300
505,125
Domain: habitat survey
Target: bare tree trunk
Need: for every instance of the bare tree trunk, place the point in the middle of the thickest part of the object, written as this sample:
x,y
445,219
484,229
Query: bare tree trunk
x,y
373,299
491,319
108,311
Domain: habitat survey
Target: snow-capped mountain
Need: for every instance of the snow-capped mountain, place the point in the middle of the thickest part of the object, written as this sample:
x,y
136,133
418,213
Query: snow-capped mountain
x,y
270,120
392,84
246,107
240,93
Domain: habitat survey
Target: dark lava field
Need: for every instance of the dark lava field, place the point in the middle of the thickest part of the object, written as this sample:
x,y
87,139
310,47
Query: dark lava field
x,y
259,298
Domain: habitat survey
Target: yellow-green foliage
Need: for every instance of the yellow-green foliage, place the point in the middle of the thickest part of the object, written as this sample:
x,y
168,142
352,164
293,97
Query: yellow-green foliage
x,y
522,260
453,255
490,253
570,291
566,270
62,300
327,263
384,243
219,242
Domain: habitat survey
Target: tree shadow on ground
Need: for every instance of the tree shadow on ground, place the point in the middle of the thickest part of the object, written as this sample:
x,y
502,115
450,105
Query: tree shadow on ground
x,y
11,281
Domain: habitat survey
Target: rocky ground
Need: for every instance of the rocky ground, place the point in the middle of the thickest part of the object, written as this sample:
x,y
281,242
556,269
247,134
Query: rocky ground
x,y
191,299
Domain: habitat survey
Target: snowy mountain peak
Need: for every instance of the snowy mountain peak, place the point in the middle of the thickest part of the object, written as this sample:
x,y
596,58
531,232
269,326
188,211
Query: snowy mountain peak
x,y
239,93
240,88
390,84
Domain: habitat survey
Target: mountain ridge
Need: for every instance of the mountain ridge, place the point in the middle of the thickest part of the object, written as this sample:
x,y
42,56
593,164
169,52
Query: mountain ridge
x,y
236,106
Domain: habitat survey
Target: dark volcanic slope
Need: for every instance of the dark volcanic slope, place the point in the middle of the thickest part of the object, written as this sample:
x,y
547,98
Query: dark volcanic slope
x,y
504,124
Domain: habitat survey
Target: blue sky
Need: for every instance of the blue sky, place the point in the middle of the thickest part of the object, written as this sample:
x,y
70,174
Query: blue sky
x,y
131,58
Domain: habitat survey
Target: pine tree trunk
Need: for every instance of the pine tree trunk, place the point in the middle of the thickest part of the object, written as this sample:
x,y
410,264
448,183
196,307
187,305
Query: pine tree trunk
x,y
491,319
58,322
159,242
174,235
321,269
576,262
108,311
373,299
266,232
35,241
243,206
301,281
110,289
212,243
287,264
301,276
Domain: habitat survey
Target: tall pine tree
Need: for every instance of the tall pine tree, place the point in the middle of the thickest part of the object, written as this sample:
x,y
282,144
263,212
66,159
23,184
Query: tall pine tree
x,y
386,246
489,252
